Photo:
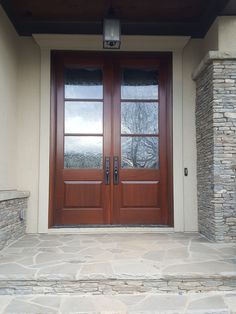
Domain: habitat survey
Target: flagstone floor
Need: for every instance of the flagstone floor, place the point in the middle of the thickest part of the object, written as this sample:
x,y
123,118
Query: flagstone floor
x,y
211,303
115,256
140,259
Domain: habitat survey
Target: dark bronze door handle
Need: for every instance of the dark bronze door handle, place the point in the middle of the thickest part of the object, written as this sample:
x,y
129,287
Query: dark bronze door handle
x,y
107,170
116,170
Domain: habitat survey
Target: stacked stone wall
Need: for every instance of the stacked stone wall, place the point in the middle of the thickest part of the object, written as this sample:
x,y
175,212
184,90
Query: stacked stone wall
x,y
205,143
216,149
12,222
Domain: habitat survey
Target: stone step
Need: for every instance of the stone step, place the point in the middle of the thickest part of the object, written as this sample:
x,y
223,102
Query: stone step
x,y
117,264
169,284
208,303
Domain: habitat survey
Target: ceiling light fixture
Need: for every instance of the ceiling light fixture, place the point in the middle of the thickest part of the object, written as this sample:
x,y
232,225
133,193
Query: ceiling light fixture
x,y
111,31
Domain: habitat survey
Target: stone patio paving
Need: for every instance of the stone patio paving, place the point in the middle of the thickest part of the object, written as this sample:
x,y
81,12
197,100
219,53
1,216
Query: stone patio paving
x,y
118,273
139,303
115,256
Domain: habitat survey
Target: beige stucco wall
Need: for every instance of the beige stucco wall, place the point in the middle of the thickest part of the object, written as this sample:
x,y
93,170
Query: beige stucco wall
x,y
221,35
28,125
28,115
8,103
24,126
19,118
192,55
211,40
227,33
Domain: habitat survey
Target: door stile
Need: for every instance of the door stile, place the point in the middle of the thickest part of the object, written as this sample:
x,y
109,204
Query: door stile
x,y
107,125
163,142
59,140
116,138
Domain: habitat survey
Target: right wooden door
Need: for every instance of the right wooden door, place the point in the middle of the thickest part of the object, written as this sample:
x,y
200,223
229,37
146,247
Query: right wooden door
x,y
142,142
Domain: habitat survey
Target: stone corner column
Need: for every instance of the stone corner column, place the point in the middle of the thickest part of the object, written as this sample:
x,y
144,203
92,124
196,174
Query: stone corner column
x,y
13,206
216,145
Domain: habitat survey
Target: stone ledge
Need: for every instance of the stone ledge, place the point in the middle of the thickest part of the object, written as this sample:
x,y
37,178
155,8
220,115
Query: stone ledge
x,y
13,194
118,286
210,56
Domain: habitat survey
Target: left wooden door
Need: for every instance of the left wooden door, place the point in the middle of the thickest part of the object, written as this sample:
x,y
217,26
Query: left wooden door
x,y
82,140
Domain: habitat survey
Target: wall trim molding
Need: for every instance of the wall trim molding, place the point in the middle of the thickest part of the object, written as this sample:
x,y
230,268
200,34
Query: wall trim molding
x,y
95,42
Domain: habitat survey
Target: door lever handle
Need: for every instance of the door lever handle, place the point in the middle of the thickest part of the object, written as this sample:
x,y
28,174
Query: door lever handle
x,y
116,170
107,170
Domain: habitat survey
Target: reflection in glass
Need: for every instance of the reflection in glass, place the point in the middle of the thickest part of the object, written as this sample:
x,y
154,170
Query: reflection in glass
x,y
83,152
139,152
83,83
83,117
139,84
139,118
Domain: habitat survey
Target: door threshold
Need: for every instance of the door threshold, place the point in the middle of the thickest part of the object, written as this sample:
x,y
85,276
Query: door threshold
x,y
109,229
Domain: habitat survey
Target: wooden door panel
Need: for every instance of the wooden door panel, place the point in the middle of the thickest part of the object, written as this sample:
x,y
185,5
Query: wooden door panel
x,y
83,175
82,216
78,194
140,194
139,216
143,175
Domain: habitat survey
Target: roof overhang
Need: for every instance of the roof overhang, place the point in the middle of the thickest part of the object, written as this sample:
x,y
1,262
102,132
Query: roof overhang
x,y
151,17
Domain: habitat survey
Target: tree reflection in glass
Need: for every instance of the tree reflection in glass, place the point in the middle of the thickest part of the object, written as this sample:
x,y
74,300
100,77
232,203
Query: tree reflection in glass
x,y
139,118
140,152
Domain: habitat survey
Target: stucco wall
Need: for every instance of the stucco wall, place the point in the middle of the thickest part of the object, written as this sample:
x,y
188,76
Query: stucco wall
x,y
19,118
9,42
227,27
221,35
24,115
211,40
192,55
28,125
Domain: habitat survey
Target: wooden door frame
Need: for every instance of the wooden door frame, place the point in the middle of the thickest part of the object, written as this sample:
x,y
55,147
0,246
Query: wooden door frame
x,y
166,58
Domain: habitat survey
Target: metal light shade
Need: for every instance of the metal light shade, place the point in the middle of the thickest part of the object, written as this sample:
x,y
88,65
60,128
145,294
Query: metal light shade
x,y
111,33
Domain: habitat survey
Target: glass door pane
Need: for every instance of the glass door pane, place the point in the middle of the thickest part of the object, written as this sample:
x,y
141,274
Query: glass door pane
x,y
83,118
139,119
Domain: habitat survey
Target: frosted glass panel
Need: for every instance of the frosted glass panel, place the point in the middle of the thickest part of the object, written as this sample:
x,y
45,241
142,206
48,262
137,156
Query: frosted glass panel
x,y
140,152
83,152
139,118
139,84
83,117
83,83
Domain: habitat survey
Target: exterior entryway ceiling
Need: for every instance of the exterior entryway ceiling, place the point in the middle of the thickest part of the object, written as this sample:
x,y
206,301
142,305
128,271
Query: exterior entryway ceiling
x,y
182,18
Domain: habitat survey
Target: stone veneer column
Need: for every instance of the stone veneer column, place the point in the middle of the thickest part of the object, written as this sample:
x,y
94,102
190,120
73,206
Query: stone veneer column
x,y
13,205
216,145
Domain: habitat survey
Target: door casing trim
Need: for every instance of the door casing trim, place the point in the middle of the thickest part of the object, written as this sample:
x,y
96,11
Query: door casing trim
x,y
152,43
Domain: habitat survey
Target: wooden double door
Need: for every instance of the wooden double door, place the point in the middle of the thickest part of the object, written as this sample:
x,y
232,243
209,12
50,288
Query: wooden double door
x,y
111,139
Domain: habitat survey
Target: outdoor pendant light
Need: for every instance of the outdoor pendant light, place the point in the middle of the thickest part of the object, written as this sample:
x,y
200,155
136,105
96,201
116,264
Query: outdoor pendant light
x,y
111,31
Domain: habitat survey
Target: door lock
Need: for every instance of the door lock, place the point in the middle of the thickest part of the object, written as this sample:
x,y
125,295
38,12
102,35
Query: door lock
x,y
116,170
